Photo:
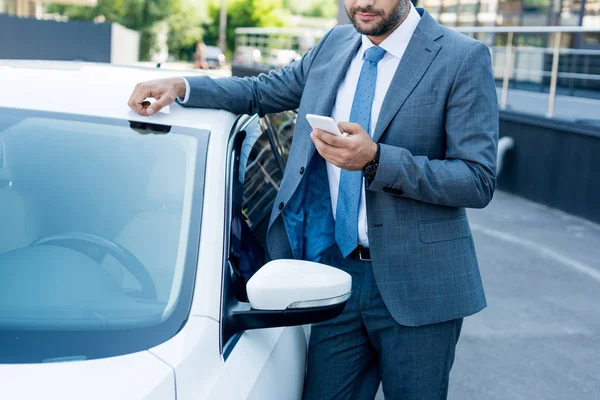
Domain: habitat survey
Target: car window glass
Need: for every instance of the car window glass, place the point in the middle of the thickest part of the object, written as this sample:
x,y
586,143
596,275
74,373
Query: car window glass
x,y
282,127
99,233
261,176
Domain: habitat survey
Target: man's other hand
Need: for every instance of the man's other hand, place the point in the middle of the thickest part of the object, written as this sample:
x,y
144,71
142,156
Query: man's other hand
x,y
165,91
351,153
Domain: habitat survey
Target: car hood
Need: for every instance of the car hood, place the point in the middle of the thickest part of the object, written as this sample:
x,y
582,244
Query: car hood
x,y
134,376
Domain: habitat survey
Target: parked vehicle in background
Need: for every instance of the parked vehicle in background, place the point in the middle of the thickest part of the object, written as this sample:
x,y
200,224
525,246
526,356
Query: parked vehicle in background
x,y
214,57
247,55
282,57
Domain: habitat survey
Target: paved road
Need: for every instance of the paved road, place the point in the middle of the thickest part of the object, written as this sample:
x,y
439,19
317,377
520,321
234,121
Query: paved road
x,y
539,338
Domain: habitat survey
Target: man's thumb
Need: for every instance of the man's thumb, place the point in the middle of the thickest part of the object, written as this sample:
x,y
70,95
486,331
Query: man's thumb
x,y
159,105
350,128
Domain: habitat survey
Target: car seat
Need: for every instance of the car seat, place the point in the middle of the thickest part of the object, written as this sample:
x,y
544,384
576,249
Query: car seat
x,y
19,215
153,234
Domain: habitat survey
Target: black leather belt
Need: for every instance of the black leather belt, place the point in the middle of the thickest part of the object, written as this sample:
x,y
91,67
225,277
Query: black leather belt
x,y
361,253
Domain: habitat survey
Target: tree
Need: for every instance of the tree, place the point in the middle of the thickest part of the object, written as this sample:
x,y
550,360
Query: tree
x,y
244,13
185,30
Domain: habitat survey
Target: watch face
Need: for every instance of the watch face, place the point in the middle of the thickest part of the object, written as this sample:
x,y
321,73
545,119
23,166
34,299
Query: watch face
x,y
370,169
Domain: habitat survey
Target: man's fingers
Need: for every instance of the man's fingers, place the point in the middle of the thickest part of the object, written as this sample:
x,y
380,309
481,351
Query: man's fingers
x,y
140,93
322,147
330,139
328,152
350,128
160,103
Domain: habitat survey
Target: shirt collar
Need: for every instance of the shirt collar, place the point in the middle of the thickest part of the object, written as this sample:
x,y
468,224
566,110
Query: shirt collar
x,y
396,43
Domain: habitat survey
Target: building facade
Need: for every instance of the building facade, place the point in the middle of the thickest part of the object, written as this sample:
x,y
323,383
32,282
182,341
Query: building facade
x,y
33,8
584,13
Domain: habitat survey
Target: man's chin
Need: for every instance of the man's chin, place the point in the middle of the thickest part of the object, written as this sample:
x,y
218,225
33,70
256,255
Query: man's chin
x,y
365,28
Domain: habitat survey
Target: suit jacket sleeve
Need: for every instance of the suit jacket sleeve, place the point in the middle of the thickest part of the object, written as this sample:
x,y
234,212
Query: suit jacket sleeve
x,y
267,93
466,177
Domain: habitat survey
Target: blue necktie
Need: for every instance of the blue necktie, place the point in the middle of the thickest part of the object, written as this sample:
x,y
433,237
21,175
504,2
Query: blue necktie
x,y
346,214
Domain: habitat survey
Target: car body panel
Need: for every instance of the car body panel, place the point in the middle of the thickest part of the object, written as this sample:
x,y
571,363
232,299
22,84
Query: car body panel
x,y
199,368
134,376
93,89
277,359
207,293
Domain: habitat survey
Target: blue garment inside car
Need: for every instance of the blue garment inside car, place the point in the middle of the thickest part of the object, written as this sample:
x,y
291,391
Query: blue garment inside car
x,y
308,216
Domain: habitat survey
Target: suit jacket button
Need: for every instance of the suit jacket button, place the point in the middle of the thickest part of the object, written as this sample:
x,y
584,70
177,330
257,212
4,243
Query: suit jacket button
x,y
301,170
281,206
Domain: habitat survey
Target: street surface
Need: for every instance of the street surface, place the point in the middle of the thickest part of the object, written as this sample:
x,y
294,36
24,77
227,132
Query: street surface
x,y
539,337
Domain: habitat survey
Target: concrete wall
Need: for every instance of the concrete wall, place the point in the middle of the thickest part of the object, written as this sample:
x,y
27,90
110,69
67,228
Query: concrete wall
x,y
554,163
125,45
32,39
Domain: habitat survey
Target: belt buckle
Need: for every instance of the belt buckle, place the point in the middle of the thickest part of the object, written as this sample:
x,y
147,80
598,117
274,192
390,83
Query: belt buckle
x,y
360,255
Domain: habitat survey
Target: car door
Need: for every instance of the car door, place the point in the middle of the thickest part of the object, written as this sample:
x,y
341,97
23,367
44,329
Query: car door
x,y
263,363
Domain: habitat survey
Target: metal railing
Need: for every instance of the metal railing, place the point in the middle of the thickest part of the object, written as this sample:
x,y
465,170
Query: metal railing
x,y
552,59
265,39
538,44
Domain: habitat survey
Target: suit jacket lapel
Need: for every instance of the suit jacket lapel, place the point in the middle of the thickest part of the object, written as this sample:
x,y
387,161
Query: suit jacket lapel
x,y
419,54
331,79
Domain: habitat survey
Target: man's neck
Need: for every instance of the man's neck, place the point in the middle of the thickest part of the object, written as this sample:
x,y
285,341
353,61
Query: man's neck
x,y
376,40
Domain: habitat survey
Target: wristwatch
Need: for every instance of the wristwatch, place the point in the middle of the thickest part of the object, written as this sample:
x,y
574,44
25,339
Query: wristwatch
x,y
370,168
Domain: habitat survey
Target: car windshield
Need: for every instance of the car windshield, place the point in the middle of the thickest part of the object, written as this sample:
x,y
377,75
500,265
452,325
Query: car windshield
x,y
99,231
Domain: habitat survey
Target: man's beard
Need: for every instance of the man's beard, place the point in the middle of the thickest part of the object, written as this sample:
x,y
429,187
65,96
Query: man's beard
x,y
387,23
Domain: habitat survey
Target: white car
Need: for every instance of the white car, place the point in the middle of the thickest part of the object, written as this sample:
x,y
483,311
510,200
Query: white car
x,y
246,55
130,245
282,57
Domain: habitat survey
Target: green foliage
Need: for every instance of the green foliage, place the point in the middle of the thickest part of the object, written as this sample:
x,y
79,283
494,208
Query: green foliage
x,y
313,8
184,31
243,13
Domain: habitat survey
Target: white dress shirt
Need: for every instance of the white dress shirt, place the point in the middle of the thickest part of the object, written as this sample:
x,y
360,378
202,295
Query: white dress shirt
x,y
395,45
187,93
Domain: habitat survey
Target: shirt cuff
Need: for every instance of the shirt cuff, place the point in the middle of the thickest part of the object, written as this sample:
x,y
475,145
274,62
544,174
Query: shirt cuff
x,y
187,93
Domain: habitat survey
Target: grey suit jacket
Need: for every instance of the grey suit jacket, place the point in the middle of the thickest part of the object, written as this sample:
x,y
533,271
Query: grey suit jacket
x,y
438,132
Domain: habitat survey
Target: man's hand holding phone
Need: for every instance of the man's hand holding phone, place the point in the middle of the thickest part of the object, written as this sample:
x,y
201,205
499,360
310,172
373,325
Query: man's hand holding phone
x,y
351,153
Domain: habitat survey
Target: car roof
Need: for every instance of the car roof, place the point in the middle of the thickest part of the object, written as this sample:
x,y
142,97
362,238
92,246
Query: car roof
x,y
94,89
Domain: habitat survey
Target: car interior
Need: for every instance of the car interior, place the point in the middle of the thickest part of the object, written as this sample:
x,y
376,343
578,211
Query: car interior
x,y
93,222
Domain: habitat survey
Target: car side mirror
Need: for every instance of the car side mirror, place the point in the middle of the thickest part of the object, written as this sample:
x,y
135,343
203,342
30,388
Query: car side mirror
x,y
290,293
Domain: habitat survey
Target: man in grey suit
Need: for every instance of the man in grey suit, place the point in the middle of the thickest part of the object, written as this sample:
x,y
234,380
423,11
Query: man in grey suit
x,y
387,203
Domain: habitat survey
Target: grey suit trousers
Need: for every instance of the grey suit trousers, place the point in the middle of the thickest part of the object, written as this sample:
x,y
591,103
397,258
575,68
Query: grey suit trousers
x,y
350,355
